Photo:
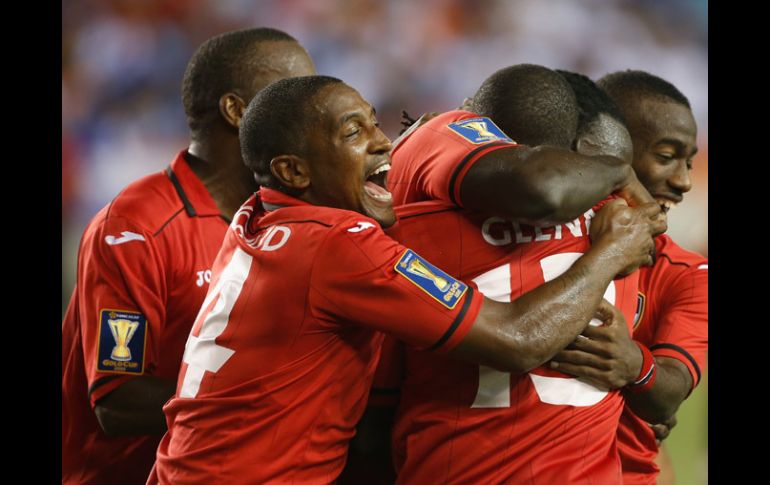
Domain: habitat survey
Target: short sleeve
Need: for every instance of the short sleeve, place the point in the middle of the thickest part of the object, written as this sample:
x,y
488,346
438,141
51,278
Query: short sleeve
x,y
432,162
363,277
121,303
682,329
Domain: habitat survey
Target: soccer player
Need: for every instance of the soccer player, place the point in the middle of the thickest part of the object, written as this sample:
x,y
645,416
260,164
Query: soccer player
x,y
671,324
459,423
279,362
541,182
144,265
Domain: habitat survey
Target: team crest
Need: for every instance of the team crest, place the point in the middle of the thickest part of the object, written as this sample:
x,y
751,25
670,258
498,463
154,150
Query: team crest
x,y
121,341
479,130
640,300
430,279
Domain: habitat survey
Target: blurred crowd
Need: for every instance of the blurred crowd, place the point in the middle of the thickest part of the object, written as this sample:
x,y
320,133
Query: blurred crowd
x,y
123,61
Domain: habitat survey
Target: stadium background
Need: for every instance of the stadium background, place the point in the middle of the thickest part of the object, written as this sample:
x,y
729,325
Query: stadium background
x,y
123,60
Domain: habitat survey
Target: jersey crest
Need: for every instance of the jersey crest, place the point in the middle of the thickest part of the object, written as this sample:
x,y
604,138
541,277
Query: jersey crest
x,y
121,341
479,130
442,287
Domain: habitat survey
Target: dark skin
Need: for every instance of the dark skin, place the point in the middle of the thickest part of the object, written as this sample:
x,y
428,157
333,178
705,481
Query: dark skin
x,y
664,135
516,336
135,408
545,184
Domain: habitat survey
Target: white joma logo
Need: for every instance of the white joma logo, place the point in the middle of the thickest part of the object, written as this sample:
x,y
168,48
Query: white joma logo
x,y
126,236
361,226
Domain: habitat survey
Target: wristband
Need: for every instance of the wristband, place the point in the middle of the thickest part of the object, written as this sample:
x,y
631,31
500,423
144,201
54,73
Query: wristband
x,y
647,374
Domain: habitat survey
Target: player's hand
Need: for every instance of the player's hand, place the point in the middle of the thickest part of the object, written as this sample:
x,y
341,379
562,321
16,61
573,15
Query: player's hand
x,y
634,192
662,430
624,234
410,125
605,355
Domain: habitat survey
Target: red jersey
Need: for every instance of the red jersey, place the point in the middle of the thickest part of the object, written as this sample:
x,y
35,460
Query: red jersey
x,y
672,320
278,365
462,423
431,162
143,270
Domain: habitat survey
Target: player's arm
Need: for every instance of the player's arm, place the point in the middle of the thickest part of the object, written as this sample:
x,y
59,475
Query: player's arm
x,y
122,278
523,334
135,407
654,382
546,184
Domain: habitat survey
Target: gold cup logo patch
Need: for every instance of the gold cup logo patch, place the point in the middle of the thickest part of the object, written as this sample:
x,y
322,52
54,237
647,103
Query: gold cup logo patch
x,y
122,331
416,267
481,128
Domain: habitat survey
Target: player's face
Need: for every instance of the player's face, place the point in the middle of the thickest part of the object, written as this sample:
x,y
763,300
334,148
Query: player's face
x,y
664,135
350,155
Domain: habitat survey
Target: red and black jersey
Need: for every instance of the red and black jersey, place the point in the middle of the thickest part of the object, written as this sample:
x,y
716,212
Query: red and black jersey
x,y
431,162
463,423
672,320
143,270
279,363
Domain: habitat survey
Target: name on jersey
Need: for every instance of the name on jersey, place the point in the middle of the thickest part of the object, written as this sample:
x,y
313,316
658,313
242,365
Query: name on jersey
x,y
121,341
479,130
499,231
442,287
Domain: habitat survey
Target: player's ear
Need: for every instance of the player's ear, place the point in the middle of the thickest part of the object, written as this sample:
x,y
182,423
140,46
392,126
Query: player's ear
x,y
291,171
587,145
231,107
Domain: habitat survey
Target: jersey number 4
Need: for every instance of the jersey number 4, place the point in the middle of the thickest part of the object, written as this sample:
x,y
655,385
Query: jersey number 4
x,y
495,386
201,352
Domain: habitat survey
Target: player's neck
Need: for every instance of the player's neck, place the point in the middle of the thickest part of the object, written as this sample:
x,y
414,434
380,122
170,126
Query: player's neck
x,y
221,169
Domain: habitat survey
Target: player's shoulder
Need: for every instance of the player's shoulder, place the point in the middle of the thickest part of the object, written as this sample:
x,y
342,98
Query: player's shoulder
x,y
313,221
424,208
671,254
138,211
147,203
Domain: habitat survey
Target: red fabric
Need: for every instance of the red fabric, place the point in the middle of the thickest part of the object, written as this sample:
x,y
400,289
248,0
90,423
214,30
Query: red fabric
x,y
287,342
424,164
439,436
673,323
156,277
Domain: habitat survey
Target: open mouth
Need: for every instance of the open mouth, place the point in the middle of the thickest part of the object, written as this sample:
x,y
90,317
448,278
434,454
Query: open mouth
x,y
376,184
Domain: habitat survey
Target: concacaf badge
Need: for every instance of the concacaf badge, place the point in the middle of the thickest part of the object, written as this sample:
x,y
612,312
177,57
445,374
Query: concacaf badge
x,y
479,130
640,301
442,287
122,336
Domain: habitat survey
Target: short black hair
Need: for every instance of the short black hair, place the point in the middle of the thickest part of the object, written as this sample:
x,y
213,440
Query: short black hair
x,y
591,99
532,104
225,63
276,121
625,85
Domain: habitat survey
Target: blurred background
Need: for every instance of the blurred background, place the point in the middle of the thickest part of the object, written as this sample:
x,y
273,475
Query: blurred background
x,y
123,61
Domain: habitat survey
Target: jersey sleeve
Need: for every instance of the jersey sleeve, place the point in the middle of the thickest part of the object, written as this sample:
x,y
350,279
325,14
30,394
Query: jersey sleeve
x,y
434,160
121,300
363,277
682,329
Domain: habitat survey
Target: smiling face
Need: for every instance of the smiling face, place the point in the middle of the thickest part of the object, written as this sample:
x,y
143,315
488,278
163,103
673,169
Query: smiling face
x,y
348,155
664,136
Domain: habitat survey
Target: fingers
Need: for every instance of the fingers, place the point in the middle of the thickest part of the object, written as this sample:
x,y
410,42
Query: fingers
x,y
579,358
606,312
661,431
656,218
588,374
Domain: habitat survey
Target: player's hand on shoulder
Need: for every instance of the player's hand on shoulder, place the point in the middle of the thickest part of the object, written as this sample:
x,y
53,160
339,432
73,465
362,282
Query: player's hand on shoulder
x,y
626,233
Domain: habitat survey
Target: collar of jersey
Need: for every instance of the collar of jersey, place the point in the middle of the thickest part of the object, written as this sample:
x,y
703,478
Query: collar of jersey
x,y
278,199
191,190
